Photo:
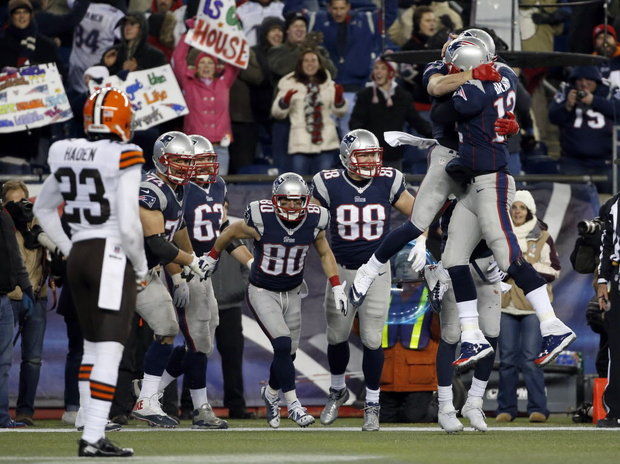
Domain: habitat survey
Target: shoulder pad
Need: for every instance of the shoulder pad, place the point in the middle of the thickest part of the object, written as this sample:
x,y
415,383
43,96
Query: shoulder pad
x,y
149,188
254,214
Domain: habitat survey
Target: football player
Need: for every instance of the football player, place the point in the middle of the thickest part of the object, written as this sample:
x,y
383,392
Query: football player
x,y
98,177
283,230
166,243
203,213
359,199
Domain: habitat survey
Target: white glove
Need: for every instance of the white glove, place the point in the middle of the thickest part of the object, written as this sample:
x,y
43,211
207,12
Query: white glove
x,y
340,297
417,255
398,138
203,267
438,282
180,291
141,275
494,274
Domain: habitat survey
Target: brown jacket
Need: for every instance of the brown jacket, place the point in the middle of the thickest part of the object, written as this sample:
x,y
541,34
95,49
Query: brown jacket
x,y
36,266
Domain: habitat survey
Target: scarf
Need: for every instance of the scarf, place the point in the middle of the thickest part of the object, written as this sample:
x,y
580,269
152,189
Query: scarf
x,y
27,42
312,112
387,94
529,229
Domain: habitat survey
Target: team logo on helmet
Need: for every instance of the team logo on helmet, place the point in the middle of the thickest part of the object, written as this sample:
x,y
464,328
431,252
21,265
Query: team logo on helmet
x,y
290,196
361,154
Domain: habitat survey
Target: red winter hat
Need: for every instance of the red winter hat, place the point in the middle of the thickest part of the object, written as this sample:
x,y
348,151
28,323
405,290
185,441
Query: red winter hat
x,y
601,28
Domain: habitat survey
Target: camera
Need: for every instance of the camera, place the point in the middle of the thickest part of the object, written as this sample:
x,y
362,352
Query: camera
x,y
590,227
581,94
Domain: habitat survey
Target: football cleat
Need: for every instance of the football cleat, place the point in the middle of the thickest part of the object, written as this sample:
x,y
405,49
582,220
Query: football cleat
x,y
300,417
472,410
446,417
473,349
335,399
609,423
371,417
104,448
273,409
556,337
362,282
205,418
109,427
149,410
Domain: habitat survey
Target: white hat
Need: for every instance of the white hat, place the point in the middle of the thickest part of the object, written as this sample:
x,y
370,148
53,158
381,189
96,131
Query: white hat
x,y
525,197
97,72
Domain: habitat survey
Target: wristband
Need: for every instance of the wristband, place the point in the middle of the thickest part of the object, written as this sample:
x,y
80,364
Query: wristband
x,y
334,280
213,253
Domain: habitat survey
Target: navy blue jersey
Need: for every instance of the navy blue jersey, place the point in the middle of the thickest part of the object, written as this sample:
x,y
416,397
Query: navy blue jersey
x,y
480,104
359,214
444,133
203,212
280,254
156,195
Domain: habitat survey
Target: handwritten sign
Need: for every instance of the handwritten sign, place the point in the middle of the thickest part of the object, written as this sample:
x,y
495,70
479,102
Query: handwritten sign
x,y
32,97
154,94
218,32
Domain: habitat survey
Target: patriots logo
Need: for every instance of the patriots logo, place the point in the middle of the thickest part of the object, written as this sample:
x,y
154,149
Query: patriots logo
x,y
148,200
167,139
349,139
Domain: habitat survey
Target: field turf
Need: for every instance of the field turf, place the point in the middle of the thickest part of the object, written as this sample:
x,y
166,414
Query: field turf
x,y
557,442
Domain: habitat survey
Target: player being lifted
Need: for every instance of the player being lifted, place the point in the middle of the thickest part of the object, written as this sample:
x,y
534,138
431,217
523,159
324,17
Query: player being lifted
x,y
283,230
166,241
98,177
359,199
198,318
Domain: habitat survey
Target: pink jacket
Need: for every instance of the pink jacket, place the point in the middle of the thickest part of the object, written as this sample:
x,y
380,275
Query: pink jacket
x,y
207,103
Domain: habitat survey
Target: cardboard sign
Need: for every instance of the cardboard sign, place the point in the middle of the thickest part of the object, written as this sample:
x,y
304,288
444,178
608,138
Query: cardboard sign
x,y
154,94
217,31
32,97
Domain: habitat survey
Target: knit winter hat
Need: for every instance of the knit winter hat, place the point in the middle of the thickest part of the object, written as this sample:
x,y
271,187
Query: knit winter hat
x,y
290,18
601,28
15,4
525,197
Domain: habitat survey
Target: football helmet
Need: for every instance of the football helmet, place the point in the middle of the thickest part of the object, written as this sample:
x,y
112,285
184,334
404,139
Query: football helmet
x,y
485,37
290,186
361,153
173,156
465,53
206,165
108,111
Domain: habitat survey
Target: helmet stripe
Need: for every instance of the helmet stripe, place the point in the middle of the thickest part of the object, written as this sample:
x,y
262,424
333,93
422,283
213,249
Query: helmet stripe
x,y
98,107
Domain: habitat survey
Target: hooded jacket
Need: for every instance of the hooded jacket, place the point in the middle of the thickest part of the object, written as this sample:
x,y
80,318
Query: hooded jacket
x,y
39,49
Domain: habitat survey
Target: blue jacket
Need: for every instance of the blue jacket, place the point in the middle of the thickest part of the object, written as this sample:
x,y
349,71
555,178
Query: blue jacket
x,y
353,59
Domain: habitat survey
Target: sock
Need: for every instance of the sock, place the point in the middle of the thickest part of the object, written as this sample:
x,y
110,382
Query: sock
x,y
199,397
88,359
271,393
484,367
444,395
539,299
165,380
393,242
477,388
102,388
466,297
174,368
372,396
374,265
372,365
338,358
338,382
155,361
290,397
468,315
282,364
446,354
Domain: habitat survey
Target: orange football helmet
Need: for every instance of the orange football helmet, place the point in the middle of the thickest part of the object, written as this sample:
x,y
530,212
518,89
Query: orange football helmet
x,y
108,111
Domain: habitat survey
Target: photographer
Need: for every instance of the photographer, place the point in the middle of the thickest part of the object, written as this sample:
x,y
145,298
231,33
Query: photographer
x,y
584,110
608,295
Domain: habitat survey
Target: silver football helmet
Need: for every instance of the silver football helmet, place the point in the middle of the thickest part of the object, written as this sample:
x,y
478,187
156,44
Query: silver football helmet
x,y
485,37
465,53
206,165
290,196
173,156
361,153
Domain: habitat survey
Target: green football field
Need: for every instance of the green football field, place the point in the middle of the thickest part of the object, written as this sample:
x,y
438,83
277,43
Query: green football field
x,y
559,441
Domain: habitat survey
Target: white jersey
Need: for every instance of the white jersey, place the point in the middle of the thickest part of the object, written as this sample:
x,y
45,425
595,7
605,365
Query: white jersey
x,y
94,34
88,177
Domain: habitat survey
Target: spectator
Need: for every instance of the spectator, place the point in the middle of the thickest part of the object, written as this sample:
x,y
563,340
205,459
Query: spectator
x,y
206,86
161,25
30,319
520,338
252,14
584,109
309,97
12,274
23,45
353,40
606,44
385,106
230,282
400,31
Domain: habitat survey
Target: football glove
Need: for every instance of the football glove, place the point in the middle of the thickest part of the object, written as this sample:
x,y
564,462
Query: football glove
x,y
180,291
486,72
340,297
417,255
507,125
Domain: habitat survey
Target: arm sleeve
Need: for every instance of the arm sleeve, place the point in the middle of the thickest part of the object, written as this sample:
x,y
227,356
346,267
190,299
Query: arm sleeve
x,y
398,186
129,218
469,99
320,191
276,111
604,106
179,61
45,209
